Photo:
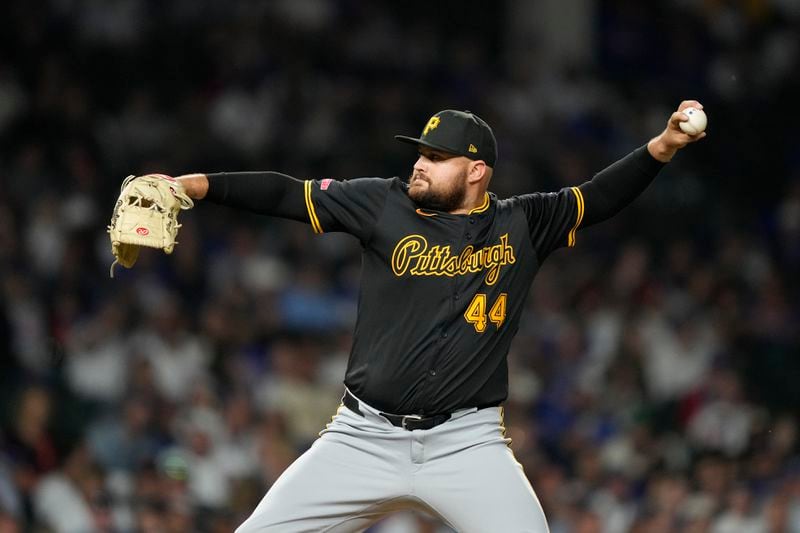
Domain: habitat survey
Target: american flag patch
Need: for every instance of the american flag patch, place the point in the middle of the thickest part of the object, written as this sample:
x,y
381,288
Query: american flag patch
x,y
324,184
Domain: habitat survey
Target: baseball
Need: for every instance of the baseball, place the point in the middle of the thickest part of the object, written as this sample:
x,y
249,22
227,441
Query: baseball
x,y
696,123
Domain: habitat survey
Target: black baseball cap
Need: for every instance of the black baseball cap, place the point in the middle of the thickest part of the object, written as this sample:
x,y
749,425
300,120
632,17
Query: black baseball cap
x,y
458,132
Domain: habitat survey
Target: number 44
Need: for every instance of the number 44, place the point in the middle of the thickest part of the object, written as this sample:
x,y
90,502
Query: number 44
x,y
476,312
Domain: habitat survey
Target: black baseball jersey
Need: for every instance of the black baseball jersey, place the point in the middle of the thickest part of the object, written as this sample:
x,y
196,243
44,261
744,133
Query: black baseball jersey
x,y
441,294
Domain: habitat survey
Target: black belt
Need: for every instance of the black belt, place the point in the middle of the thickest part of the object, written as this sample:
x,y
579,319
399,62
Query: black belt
x,y
409,422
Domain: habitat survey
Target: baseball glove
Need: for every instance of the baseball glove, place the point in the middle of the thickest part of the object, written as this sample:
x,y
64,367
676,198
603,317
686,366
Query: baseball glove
x,y
146,214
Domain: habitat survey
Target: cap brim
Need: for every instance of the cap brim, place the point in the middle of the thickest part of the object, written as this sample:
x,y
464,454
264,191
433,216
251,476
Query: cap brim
x,y
412,140
407,139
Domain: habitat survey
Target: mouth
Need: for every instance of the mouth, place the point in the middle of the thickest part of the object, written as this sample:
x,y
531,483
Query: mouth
x,y
416,179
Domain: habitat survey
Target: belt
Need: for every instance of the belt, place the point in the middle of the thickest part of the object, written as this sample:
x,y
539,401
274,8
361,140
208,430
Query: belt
x,y
408,422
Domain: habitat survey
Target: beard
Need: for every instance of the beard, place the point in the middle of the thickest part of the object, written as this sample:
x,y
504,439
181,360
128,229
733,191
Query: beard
x,y
447,198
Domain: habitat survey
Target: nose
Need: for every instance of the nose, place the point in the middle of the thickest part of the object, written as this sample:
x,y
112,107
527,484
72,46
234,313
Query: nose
x,y
420,165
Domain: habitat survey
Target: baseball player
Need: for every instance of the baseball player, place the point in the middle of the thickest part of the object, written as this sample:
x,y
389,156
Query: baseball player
x,y
446,270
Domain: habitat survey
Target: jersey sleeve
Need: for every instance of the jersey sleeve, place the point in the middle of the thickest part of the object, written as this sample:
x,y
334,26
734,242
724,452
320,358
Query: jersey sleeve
x,y
351,206
553,218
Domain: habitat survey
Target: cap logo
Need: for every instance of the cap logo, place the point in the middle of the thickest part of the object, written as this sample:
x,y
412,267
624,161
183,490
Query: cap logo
x,y
473,149
432,124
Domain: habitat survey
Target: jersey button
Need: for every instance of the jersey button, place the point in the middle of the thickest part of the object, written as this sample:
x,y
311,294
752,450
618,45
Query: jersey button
x,y
456,297
471,220
432,372
444,335
468,236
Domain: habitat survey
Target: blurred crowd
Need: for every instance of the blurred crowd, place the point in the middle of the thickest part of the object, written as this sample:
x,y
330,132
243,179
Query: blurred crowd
x,y
654,379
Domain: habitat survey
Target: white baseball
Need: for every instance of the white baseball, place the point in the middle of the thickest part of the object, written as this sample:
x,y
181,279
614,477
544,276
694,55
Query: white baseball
x,y
696,123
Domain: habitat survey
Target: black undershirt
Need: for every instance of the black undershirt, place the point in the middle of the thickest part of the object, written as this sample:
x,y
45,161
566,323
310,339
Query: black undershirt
x,y
265,193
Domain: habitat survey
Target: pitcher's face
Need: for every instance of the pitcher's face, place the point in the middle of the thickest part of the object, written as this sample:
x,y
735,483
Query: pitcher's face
x,y
438,180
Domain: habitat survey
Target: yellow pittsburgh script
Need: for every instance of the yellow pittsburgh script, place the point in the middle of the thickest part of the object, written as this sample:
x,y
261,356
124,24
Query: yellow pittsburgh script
x,y
412,254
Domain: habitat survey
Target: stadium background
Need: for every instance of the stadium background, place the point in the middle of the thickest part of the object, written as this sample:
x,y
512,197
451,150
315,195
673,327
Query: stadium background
x,y
654,377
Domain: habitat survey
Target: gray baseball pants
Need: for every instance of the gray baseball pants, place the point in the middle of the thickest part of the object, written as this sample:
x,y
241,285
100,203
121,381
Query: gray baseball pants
x,y
362,468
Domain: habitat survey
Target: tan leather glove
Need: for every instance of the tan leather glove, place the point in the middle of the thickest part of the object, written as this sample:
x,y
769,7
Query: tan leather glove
x,y
146,214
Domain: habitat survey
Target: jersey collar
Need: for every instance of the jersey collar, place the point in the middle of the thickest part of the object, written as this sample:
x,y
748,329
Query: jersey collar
x,y
480,209
483,207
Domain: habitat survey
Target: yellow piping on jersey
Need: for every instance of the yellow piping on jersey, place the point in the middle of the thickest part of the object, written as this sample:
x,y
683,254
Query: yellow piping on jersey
x,y
312,214
579,199
483,207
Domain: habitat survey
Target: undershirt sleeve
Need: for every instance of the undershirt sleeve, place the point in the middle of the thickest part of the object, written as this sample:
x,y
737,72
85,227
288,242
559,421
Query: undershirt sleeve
x,y
266,193
555,217
618,185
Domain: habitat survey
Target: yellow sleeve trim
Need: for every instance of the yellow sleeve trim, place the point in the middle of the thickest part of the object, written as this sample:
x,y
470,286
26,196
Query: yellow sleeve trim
x,y
579,200
312,214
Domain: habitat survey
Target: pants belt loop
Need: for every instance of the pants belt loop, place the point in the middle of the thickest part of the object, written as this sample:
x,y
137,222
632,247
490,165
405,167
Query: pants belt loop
x,y
351,403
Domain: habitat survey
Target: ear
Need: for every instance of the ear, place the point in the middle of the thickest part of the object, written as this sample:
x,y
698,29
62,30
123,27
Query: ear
x,y
477,171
